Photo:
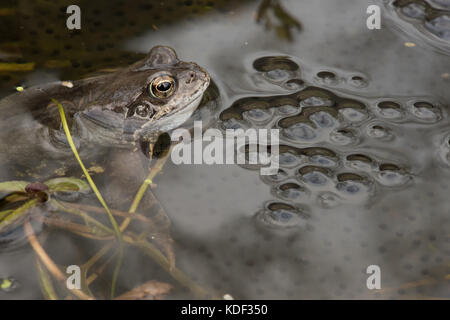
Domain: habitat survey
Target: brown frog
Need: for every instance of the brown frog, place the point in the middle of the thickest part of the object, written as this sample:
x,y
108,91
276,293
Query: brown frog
x,y
125,109
114,120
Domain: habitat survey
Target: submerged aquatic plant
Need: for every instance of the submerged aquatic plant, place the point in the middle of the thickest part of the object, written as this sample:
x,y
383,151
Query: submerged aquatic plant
x,y
272,9
85,220
22,196
97,193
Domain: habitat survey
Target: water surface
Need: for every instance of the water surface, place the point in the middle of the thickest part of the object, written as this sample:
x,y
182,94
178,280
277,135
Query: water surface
x,y
362,184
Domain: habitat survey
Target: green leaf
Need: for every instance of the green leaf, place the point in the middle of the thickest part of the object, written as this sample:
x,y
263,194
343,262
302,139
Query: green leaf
x,y
4,213
16,197
67,184
13,186
17,214
97,193
5,284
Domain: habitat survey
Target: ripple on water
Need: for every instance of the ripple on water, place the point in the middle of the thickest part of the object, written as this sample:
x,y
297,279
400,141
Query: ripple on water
x,y
13,237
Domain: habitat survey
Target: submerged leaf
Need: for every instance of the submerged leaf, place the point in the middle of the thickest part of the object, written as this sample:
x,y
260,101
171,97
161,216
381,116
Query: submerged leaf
x,y
16,197
8,66
97,193
13,186
67,184
4,213
8,284
16,215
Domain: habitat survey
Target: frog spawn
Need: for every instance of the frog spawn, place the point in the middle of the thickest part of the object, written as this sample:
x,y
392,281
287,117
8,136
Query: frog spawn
x,y
430,18
278,214
311,116
278,69
318,118
353,178
379,132
317,175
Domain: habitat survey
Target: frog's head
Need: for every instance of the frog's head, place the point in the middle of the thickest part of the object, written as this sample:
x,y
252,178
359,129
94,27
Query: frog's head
x,y
156,94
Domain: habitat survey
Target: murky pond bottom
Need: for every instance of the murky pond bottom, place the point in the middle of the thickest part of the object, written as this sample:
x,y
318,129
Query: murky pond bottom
x,y
364,159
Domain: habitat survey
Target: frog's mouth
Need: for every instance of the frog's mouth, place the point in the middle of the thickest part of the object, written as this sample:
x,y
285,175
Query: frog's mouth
x,y
173,119
111,128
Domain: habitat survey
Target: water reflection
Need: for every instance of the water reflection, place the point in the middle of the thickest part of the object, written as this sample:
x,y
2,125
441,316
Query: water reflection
x,y
36,41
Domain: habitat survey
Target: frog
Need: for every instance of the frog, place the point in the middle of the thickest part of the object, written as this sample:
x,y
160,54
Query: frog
x,y
126,109
115,118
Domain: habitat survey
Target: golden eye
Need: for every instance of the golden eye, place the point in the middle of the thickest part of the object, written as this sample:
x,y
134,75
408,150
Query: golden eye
x,y
162,87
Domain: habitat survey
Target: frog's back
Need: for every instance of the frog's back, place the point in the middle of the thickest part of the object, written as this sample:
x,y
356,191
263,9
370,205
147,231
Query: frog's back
x,y
27,120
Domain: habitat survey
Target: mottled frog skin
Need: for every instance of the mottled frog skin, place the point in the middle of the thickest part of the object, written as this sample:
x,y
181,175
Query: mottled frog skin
x,y
123,109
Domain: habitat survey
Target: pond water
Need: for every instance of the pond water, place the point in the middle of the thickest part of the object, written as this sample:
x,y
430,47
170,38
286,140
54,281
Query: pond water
x,y
364,144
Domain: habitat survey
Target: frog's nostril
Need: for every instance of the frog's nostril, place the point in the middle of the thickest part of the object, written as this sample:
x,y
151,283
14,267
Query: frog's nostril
x,y
192,77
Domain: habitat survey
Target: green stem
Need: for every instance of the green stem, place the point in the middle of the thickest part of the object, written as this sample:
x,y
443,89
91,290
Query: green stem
x,y
97,193
148,181
84,215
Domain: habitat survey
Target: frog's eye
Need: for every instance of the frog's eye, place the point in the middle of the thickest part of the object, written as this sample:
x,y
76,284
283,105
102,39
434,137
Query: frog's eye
x,y
162,87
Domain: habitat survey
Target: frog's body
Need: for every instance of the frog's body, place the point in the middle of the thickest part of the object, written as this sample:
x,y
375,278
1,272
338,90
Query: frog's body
x,y
123,109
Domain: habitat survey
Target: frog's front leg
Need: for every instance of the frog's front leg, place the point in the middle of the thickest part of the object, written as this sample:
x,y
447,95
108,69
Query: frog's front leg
x,y
128,171
155,145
